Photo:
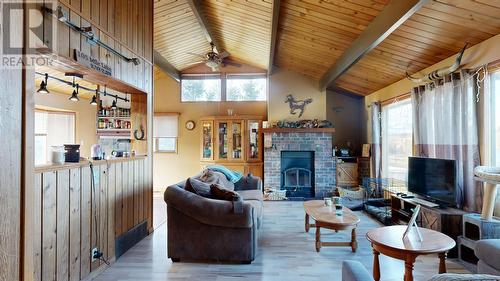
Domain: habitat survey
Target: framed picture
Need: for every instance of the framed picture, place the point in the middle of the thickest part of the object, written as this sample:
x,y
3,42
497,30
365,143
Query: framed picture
x,y
412,223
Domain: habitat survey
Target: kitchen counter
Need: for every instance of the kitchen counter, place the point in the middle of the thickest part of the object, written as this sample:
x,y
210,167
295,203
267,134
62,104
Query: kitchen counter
x,y
56,167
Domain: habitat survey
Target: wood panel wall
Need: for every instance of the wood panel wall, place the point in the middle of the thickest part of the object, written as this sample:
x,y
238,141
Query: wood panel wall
x,y
80,208
125,25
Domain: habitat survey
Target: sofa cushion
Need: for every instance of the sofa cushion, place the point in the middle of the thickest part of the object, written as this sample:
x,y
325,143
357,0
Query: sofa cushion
x,y
463,277
198,187
214,177
219,192
251,194
258,207
488,250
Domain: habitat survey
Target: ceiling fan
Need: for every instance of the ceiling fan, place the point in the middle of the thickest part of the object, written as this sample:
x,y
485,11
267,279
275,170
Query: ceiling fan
x,y
215,60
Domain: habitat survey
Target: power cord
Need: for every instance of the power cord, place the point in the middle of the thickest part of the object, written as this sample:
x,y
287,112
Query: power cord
x,y
98,254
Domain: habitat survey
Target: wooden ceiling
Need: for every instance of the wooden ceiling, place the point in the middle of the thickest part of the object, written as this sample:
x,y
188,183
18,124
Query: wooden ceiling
x,y
313,34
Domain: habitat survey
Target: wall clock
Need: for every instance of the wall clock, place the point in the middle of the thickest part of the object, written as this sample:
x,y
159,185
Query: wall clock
x,y
190,125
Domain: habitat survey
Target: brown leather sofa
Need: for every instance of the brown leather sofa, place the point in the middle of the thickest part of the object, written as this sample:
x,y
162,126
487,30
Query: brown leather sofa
x,y
206,229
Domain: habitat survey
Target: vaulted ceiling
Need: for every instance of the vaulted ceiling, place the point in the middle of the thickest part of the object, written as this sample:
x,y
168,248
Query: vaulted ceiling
x,y
313,35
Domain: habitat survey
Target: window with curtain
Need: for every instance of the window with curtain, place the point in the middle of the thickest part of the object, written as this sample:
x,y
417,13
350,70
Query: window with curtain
x,y
196,88
495,87
397,139
246,87
166,132
52,128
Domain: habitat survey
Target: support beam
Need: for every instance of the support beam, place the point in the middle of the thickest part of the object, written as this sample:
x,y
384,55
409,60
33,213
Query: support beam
x,y
391,17
196,7
274,31
164,65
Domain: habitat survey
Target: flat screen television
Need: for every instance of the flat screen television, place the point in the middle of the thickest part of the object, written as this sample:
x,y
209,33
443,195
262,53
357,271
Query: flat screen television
x,y
434,179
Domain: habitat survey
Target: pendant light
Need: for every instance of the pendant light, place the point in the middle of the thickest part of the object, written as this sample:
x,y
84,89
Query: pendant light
x,y
43,85
113,105
74,96
94,98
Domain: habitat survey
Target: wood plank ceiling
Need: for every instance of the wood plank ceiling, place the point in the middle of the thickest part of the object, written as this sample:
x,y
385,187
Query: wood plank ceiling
x,y
313,34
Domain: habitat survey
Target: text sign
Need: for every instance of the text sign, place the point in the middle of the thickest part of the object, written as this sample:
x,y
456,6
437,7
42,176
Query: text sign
x,y
93,63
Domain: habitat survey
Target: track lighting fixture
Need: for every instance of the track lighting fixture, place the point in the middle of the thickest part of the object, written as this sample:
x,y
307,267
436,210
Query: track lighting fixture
x,y
74,96
113,105
43,85
94,98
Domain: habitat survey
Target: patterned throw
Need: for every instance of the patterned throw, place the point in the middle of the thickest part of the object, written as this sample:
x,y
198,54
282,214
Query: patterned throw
x,y
232,176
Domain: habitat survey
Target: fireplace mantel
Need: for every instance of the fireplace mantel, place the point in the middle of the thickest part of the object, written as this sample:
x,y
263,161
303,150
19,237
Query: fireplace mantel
x,y
298,130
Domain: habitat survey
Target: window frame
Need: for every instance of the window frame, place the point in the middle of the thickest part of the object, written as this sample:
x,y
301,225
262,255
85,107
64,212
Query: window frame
x,y
156,145
156,139
248,76
202,77
491,118
223,78
404,98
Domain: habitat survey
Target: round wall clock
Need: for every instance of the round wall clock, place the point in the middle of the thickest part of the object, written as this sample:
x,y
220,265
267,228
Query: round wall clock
x,y
190,125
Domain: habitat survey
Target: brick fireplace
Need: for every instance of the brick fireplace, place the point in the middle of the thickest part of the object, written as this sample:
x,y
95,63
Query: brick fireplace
x,y
317,143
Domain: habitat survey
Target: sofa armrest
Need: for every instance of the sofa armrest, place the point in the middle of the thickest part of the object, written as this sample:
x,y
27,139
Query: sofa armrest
x,y
355,271
208,211
248,183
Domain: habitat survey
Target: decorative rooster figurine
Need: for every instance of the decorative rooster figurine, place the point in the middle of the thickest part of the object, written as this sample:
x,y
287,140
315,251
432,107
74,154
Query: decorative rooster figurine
x,y
297,104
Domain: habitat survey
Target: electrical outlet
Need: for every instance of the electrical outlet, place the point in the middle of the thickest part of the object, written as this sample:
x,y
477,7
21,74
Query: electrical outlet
x,y
94,254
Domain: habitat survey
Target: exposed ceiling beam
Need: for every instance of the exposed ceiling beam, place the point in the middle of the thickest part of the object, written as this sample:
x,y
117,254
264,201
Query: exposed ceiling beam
x,y
390,18
164,65
342,91
196,7
274,31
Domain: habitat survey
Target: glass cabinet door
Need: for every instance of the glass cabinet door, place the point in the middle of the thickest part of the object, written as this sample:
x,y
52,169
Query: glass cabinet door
x,y
254,140
223,140
207,140
237,140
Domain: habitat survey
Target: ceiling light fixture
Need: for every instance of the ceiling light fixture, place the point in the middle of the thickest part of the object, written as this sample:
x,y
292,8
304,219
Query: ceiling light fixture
x,y
74,96
94,98
43,85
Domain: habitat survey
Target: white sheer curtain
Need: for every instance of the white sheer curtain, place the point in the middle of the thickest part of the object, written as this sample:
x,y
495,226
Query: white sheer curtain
x,y
445,126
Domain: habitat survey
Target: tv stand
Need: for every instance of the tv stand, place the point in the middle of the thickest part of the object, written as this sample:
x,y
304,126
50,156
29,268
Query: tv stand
x,y
444,220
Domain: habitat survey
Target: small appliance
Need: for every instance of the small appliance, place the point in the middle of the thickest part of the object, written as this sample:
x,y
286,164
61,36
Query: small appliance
x,y
72,153
96,152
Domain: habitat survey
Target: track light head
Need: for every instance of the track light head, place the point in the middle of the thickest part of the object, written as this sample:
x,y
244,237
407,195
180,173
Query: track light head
x,y
74,95
43,86
94,100
113,105
60,15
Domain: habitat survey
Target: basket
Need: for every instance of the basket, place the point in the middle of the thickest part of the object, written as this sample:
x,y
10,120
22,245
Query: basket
x,y
271,194
353,193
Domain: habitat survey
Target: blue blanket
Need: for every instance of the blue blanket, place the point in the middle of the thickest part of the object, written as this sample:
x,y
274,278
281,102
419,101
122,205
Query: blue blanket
x,y
232,176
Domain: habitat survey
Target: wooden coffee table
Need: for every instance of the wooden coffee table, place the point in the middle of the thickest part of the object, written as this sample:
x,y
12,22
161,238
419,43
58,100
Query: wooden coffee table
x,y
389,241
325,217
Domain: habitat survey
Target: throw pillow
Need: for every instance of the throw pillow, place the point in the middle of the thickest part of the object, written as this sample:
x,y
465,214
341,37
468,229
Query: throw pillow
x,y
198,187
214,177
219,192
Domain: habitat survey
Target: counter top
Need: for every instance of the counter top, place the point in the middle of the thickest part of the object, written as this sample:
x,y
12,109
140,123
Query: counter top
x,y
56,167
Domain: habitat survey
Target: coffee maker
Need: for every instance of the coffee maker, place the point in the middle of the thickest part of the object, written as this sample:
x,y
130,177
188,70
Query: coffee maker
x,y
96,152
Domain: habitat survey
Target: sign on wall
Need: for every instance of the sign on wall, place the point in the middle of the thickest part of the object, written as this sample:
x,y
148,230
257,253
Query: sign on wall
x,y
92,63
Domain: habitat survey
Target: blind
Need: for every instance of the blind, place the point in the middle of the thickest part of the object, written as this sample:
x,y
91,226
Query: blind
x,y
166,126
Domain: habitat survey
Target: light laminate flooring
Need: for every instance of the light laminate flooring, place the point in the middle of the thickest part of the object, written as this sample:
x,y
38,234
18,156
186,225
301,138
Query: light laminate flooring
x,y
286,253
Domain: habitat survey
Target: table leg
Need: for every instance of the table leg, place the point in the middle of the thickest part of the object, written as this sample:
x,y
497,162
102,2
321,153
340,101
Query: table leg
x,y
376,266
442,262
307,222
409,268
354,243
318,239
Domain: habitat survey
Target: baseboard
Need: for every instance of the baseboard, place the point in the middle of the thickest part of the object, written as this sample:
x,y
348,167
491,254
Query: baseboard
x,y
127,240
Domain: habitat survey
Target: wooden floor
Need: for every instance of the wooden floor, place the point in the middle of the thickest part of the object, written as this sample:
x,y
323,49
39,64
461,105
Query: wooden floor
x,y
286,252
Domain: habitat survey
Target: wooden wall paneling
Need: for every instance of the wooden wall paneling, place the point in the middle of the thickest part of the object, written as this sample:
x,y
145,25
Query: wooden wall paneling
x,y
140,189
75,38
74,224
95,207
137,188
111,17
103,14
62,223
124,194
63,34
103,210
148,30
94,10
149,193
130,196
49,226
118,198
37,228
86,221
111,209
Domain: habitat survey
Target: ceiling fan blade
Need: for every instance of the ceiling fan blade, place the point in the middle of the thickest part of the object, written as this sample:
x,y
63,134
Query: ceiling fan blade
x,y
195,54
224,54
194,63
